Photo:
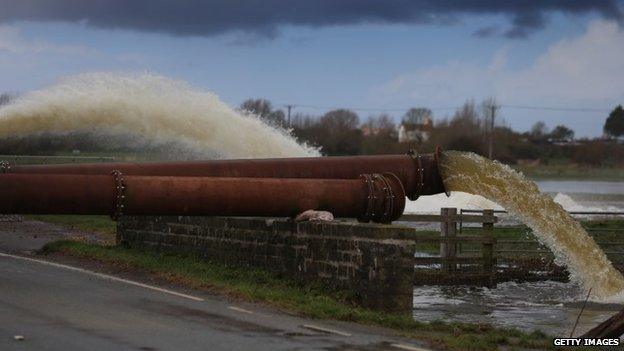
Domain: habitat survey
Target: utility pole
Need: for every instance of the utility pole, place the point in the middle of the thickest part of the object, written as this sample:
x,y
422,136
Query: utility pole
x,y
493,109
289,107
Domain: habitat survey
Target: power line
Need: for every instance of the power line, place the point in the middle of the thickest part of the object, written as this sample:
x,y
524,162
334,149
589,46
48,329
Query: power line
x,y
370,109
563,109
403,109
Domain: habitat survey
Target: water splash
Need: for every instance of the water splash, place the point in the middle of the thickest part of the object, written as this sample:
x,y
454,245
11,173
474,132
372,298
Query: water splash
x,y
566,238
154,109
458,199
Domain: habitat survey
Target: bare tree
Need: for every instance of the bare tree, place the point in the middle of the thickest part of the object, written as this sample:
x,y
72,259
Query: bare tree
x,y
417,115
380,135
6,98
562,132
380,123
539,130
264,109
341,132
462,132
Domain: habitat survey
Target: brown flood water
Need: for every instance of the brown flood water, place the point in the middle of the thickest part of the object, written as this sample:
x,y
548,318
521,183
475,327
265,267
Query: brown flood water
x,y
564,236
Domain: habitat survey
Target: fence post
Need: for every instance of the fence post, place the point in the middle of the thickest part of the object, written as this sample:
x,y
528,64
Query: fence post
x,y
448,229
488,245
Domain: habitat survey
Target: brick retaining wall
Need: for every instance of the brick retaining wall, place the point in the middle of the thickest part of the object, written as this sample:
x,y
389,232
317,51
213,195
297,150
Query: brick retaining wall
x,y
373,263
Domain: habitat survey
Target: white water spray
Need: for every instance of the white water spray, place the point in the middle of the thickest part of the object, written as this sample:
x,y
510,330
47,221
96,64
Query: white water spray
x,y
153,109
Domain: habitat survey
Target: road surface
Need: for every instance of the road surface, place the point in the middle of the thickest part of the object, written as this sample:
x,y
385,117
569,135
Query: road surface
x,y
58,307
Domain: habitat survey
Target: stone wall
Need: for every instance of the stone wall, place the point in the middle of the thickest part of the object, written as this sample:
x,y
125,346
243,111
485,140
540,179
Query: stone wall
x,y
374,264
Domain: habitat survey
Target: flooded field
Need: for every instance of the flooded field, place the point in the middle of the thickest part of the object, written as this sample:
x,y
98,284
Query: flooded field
x,y
577,195
581,187
586,195
551,307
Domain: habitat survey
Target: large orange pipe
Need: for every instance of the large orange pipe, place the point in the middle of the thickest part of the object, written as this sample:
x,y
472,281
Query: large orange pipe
x,y
418,173
378,198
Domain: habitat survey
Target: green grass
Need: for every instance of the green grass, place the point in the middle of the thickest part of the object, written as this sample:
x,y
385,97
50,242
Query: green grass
x,y
306,299
71,158
101,225
604,224
120,156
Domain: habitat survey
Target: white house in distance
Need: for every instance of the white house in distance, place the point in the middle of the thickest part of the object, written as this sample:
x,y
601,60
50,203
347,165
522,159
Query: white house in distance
x,y
415,126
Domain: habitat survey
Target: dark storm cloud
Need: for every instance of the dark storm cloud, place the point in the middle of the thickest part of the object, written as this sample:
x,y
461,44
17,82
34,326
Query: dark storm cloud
x,y
264,17
526,23
485,32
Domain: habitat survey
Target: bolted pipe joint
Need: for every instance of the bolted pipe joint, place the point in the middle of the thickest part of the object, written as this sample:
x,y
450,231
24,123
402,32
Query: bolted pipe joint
x,y
385,200
427,179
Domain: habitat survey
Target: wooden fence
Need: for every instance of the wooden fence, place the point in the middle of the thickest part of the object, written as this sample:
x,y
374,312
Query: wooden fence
x,y
450,266
610,239
468,249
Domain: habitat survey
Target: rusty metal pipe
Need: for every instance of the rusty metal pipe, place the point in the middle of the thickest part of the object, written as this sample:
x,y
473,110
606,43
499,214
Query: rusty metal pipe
x,y
377,197
418,173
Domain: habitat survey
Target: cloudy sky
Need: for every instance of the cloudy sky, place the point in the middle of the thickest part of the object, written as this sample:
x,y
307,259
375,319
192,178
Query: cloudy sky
x,y
557,61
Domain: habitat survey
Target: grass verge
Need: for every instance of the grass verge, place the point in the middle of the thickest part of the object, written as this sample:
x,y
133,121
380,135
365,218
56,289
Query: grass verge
x,y
101,225
306,299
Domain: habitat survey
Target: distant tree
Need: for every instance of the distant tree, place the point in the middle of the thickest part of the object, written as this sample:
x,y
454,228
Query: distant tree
x,y
341,132
461,132
307,129
263,109
562,132
341,119
379,124
259,107
465,143
417,115
5,98
539,130
614,125
466,122
379,135
278,116
466,115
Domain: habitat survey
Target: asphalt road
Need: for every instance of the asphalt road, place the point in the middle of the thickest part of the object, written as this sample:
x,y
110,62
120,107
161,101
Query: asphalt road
x,y
57,307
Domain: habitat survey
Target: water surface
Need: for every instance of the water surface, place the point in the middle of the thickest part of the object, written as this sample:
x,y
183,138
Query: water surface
x,y
551,307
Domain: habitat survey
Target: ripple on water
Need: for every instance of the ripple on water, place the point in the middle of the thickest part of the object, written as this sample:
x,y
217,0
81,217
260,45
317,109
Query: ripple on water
x,y
549,306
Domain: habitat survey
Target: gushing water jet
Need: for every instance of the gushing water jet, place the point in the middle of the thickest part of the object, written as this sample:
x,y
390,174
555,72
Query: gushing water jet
x,y
552,225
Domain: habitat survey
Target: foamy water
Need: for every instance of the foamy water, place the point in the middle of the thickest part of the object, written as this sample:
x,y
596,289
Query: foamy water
x,y
552,225
154,109
462,200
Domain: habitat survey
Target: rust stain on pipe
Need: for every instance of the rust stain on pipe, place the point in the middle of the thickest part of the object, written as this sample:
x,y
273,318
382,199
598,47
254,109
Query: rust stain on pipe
x,y
376,197
418,173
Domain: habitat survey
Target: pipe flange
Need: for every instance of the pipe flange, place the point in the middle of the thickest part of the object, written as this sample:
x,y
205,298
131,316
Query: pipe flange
x,y
370,200
389,200
385,199
5,167
420,171
120,194
428,180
